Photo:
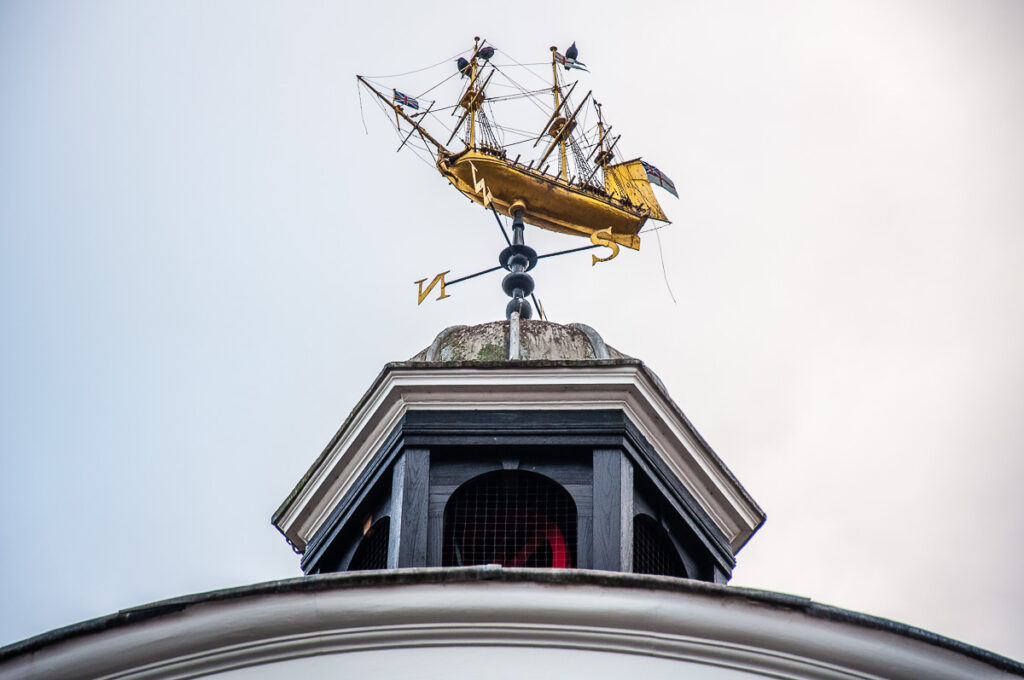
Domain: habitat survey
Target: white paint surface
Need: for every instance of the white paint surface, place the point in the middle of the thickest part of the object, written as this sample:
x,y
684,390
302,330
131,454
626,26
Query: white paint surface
x,y
542,630
497,663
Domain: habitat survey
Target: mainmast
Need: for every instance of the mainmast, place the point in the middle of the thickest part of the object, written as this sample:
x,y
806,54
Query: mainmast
x,y
563,168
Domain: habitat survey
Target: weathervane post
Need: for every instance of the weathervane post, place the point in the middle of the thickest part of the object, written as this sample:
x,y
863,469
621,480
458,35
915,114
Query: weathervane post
x,y
518,259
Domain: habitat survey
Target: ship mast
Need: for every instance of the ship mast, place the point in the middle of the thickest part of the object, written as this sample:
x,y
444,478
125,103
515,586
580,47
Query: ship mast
x,y
472,103
604,155
604,152
562,167
473,97
399,112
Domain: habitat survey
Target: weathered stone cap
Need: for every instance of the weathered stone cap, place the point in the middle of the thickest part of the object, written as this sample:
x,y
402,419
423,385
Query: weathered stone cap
x,y
538,341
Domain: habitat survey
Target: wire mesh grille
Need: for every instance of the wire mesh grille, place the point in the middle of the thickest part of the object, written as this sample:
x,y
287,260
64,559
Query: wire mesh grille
x,y
653,552
372,552
511,518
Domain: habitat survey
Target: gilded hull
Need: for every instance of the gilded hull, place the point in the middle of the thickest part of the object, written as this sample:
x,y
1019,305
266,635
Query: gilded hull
x,y
549,203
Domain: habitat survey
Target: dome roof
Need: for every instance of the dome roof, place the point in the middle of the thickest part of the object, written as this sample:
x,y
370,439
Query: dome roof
x,y
538,340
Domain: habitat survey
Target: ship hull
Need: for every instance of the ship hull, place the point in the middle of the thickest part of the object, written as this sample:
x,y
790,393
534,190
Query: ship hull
x,y
550,203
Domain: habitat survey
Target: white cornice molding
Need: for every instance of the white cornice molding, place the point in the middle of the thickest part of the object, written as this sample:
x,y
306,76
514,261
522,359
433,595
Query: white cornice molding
x,y
628,387
274,634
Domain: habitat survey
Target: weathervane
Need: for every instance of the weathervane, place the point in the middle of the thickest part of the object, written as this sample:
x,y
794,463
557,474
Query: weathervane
x,y
591,193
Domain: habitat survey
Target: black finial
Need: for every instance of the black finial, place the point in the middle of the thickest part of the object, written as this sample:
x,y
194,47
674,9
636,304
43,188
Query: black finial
x,y
518,259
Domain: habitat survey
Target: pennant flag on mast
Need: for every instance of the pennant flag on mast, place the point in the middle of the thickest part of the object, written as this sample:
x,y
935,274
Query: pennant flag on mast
x,y
406,100
568,60
570,63
655,176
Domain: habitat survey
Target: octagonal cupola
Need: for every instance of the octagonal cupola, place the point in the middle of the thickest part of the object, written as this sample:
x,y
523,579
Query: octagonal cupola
x,y
521,444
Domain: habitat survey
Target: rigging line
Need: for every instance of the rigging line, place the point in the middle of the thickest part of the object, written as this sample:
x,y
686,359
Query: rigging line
x,y
651,230
664,273
440,122
521,141
535,63
581,161
545,80
415,128
517,137
505,131
518,95
501,226
522,89
439,84
485,128
507,85
425,68
434,112
538,91
386,87
359,91
496,131
513,131
398,133
512,128
446,108
417,151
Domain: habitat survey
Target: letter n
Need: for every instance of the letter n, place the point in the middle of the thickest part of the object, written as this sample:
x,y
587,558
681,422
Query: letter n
x,y
437,279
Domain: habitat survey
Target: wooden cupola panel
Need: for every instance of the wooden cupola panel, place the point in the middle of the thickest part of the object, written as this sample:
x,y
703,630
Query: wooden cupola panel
x,y
572,456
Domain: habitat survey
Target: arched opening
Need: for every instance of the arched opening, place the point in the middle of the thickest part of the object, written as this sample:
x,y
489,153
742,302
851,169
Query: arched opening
x,y
511,518
372,552
653,551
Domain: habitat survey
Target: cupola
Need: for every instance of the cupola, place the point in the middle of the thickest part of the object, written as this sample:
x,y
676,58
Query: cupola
x,y
569,454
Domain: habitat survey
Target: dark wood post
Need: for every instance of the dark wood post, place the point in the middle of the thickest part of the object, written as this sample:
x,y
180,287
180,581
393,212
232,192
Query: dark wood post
x,y
613,510
407,545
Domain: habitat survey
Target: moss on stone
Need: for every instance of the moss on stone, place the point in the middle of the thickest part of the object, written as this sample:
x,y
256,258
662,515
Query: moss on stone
x,y
491,352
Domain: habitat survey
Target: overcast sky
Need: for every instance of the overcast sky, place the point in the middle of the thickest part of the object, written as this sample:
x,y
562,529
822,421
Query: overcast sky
x,y
205,260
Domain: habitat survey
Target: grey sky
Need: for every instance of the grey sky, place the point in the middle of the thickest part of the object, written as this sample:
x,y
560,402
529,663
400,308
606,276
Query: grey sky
x,y
204,261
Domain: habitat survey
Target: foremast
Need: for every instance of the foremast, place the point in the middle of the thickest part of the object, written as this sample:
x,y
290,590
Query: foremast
x,y
472,100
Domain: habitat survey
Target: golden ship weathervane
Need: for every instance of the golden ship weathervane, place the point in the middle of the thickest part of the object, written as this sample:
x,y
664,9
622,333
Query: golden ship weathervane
x,y
591,193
